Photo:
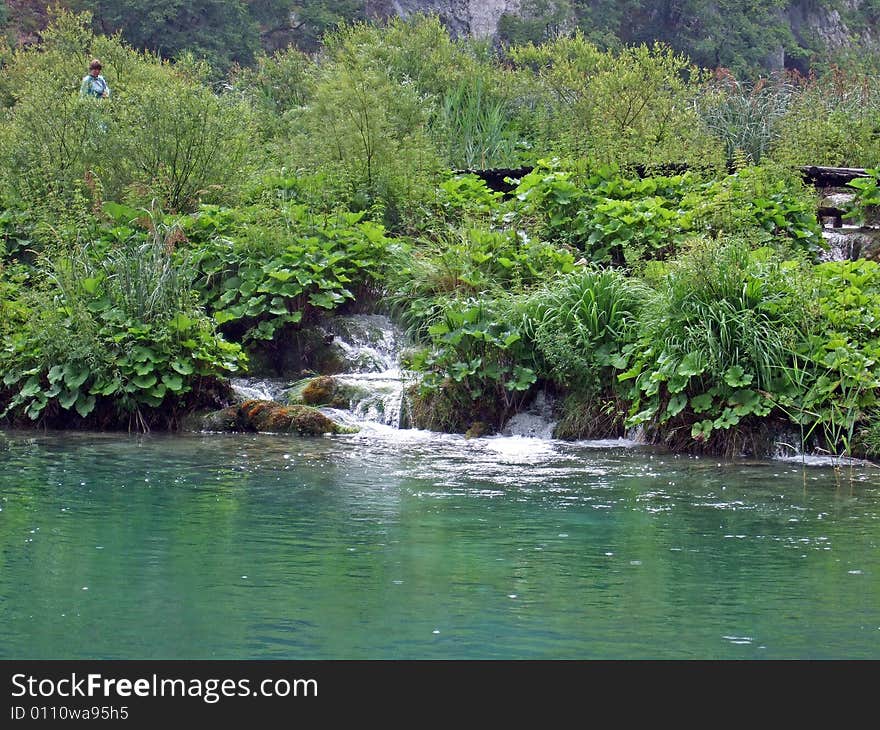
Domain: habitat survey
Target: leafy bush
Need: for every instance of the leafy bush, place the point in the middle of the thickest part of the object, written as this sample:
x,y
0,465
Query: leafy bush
x,y
367,133
617,219
627,108
835,369
115,335
866,203
771,199
832,120
580,323
714,339
262,269
163,134
479,366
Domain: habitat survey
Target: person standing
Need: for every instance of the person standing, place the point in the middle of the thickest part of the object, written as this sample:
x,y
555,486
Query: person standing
x,y
93,83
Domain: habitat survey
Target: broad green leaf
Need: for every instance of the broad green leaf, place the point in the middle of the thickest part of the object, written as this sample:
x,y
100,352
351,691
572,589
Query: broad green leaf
x,y
173,382
735,377
31,387
701,403
691,364
701,430
145,381
56,373
224,315
75,375
676,404
67,398
85,404
181,322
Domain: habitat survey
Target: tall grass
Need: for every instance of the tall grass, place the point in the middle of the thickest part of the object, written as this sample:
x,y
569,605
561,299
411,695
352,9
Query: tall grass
x,y
476,127
727,305
580,323
745,118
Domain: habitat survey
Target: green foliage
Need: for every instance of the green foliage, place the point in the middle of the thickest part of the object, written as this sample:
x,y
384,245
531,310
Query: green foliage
x,y
476,127
745,117
714,339
832,120
768,198
263,269
277,84
580,323
835,367
625,108
220,31
479,361
192,147
610,217
368,134
626,220
114,335
163,134
866,203
536,21
14,311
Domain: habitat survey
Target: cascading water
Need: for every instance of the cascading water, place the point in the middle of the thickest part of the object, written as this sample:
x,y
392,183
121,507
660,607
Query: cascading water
x,y
366,348
260,389
845,243
369,347
538,421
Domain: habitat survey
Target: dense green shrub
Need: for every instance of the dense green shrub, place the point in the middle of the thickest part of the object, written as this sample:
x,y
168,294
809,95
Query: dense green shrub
x,y
261,269
714,339
580,323
368,135
832,120
163,134
835,370
479,368
631,107
626,220
114,335
866,203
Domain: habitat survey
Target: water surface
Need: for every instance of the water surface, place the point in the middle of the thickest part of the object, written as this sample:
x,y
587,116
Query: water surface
x,y
403,544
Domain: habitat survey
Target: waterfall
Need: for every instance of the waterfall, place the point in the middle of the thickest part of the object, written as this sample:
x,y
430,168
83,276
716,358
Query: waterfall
x,y
260,389
845,243
538,421
367,349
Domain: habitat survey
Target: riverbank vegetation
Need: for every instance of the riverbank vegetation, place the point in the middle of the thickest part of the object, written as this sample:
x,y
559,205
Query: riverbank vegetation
x,y
656,264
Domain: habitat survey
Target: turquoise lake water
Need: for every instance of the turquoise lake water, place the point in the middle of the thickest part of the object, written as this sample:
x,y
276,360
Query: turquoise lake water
x,y
409,545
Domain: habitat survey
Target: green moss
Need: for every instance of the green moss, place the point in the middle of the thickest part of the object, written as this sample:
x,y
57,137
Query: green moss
x,y
268,416
477,429
223,420
325,390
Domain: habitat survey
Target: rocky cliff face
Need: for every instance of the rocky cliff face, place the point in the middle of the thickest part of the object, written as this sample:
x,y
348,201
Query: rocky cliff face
x,y
813,24
478,18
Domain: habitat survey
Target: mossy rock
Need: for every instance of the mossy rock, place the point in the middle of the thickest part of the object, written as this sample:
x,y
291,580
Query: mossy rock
x,y
477,429
265,415
223,420
324,390
262,415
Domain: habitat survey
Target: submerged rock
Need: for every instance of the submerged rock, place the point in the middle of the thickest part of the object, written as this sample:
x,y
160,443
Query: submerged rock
x,y
269,416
